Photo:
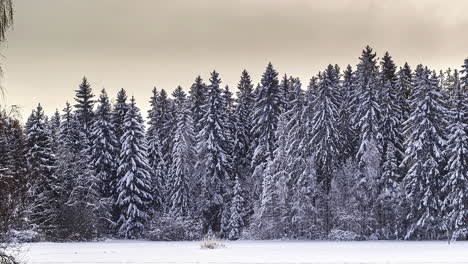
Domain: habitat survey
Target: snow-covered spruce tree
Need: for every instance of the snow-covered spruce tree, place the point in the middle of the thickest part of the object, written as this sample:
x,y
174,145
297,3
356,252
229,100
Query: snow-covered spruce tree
x,y
198,95
285,87
367,117
267,109
11,181
326,138
276,216
236,222
158,166
84,108
389,191
229,120
54,127
455,183
118,119
405,84
103,150
346,110
242,138
118,116
213,167
159,135
103,147
43,191
183,160
79,197
423,180
12,171
134,185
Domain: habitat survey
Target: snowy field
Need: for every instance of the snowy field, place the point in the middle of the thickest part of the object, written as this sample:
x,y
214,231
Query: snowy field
x,y
122,251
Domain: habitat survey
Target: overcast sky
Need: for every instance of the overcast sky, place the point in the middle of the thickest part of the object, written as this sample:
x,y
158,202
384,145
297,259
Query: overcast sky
x,y
138,44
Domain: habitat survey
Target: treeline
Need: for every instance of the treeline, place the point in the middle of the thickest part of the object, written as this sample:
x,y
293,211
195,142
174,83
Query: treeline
x,y
375,152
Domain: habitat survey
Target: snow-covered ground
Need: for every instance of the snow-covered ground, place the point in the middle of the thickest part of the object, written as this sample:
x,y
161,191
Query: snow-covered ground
x,y
124,251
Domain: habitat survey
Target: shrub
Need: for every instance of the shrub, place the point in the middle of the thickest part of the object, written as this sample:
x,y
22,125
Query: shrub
x,y
210,242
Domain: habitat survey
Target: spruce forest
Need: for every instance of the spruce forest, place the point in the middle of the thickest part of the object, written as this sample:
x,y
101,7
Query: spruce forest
x,y
365,152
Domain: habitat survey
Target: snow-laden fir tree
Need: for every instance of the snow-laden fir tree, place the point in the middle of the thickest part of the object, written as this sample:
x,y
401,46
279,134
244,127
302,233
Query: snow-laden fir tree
x,y
267,109
82,206
158,166
118,116
242,138
161,129
43,191
326,136
134,185
455,183
367,120
424,147
84,108
389,191
405,84
236,222
183,158
103,147
274,217
368,112
346,110
54,127
213,166
198,95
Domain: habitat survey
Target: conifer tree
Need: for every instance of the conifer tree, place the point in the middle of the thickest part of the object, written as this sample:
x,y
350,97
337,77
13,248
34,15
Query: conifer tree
x,y
213,167
267,109
392,149
43,193
425,128
134,185
84,108
183,153
198,96
455,182
103,147
236,222
155,156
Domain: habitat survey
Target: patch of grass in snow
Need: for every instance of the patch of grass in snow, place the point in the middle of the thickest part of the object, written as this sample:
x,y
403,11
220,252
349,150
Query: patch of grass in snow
x,y
210,242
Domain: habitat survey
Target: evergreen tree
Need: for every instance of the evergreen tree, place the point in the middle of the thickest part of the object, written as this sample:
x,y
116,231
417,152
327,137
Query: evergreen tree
x,y
183,153
134,185
84,107
103,147
118,116
236,222
267,109
425,128
368,112
198,96
392,149
213,166
455,183
155,155
325,135
405,83
346,110
43,193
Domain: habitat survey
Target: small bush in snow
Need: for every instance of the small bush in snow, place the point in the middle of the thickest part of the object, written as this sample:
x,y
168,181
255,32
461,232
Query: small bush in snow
x,y
341,235
210,242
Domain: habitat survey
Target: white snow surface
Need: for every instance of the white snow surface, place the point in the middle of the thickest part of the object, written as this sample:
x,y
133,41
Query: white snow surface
x,y
127,251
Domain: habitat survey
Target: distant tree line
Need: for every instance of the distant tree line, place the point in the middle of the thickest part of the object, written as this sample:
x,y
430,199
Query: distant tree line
x,y
374,152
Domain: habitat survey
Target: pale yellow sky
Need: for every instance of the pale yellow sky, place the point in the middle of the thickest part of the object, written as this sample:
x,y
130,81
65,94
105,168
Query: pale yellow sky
x,y
138,44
